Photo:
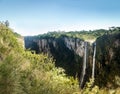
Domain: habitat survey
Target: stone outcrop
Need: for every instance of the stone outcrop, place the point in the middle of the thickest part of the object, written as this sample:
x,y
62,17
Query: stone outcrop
x,y
67,52
108,59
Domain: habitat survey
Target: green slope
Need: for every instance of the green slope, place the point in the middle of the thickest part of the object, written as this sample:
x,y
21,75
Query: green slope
x,y
23,72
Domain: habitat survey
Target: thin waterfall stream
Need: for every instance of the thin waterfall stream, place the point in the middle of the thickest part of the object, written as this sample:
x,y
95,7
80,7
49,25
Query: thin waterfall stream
x,y
93,67
84,64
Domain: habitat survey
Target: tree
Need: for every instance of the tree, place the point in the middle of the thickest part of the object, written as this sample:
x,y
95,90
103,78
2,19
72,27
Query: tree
x,y
6,23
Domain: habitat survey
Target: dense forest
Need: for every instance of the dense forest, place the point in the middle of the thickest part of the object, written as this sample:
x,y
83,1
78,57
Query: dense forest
x,y
84,35
52,63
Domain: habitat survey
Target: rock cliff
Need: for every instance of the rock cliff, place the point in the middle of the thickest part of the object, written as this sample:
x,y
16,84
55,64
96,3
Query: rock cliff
x,y
108,59
68,53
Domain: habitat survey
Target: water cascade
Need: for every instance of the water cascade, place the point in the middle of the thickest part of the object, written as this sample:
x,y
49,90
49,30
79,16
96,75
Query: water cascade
x,y
93,67
84,64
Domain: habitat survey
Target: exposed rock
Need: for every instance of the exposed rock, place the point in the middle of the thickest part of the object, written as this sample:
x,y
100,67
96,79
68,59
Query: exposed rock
x,y
67,52
108,59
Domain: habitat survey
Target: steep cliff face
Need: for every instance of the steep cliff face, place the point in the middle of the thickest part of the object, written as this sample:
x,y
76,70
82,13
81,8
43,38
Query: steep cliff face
x,y
75,45
108,60
45,44
67,52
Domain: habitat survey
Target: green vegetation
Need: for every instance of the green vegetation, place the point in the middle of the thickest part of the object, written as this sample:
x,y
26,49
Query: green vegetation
x,y
85,35
24,72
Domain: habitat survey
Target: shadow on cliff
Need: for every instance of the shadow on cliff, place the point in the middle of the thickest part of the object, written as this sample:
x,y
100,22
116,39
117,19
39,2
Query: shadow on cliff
x,y
64,56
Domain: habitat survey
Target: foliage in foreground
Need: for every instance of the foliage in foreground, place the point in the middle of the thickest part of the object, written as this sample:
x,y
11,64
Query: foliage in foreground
x,y
90,88
23,72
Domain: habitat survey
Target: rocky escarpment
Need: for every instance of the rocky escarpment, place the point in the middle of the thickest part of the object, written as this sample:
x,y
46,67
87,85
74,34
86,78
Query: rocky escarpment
x,y
67,52
44,44
108,60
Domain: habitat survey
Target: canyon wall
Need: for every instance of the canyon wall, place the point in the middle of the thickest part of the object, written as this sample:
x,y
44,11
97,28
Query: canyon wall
x,y
108,60
69,52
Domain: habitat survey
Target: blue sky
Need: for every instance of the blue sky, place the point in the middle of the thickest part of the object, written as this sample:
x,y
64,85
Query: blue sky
x,y
32,17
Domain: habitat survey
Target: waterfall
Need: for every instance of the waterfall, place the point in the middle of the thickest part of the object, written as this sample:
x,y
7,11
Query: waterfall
x,y
84,64
93,67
